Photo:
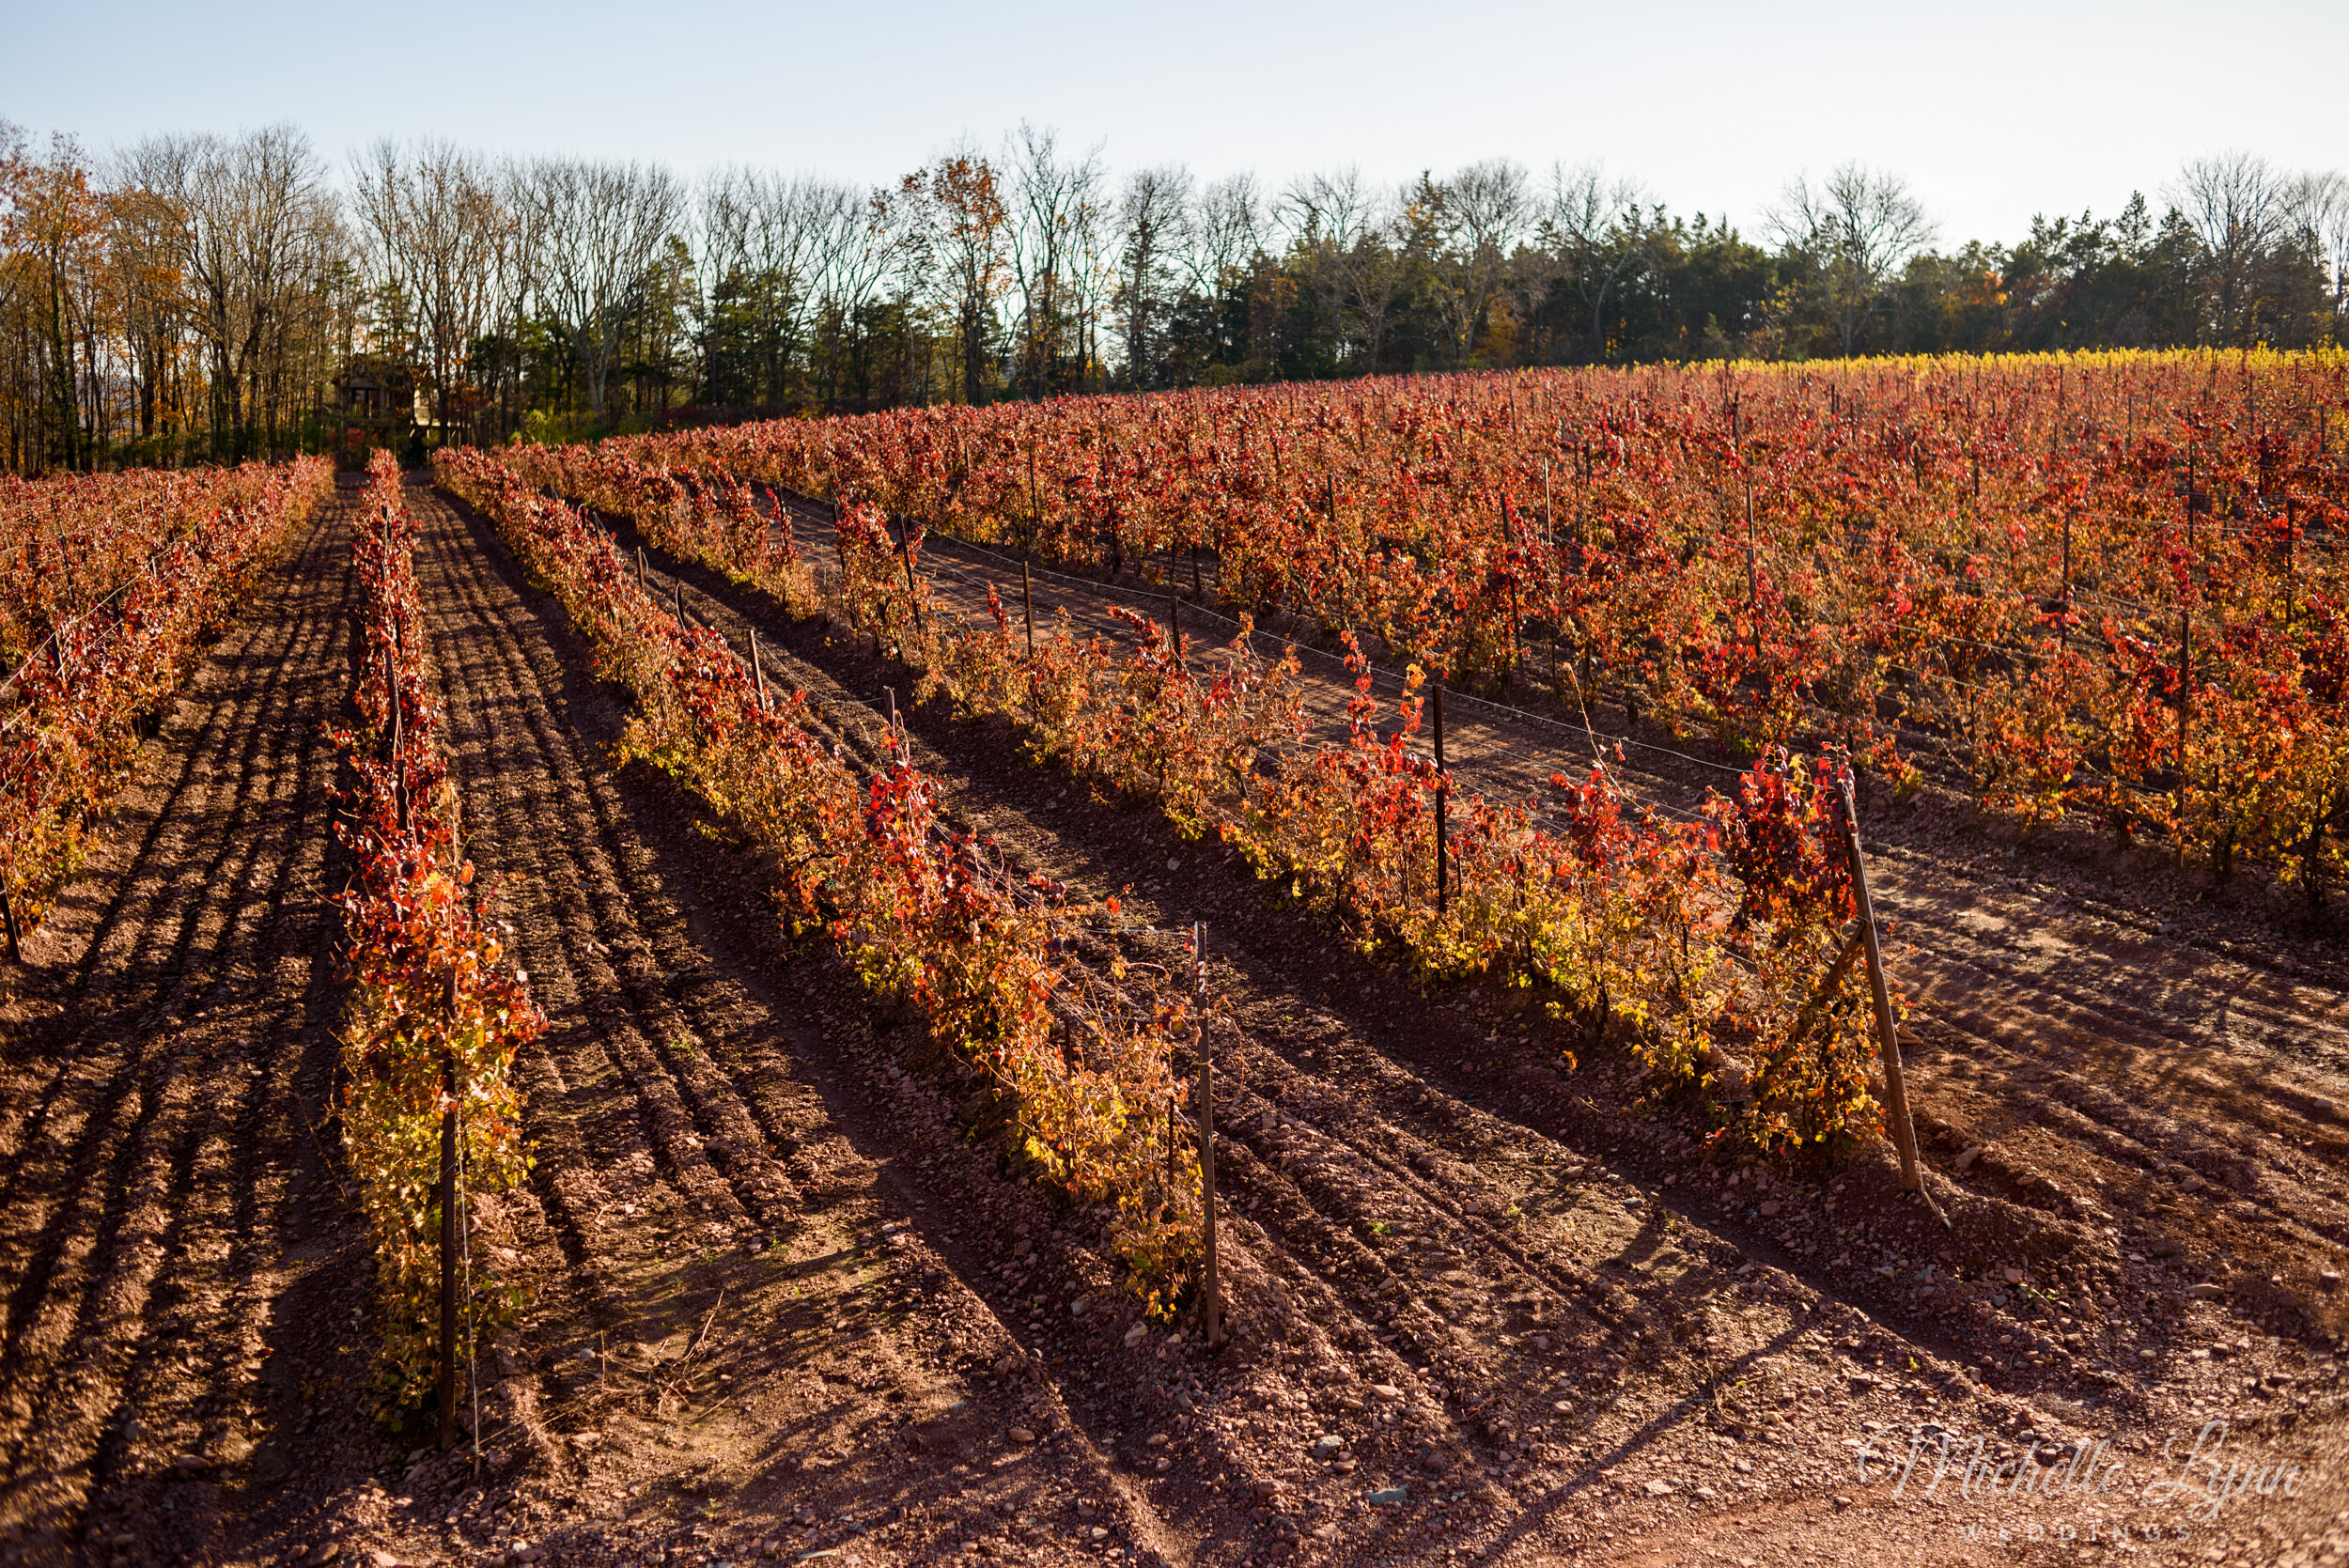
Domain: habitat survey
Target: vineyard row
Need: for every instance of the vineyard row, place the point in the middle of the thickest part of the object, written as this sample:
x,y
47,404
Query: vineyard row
x,y
2105,586
115,582
434,1013
1716,947
1080,1063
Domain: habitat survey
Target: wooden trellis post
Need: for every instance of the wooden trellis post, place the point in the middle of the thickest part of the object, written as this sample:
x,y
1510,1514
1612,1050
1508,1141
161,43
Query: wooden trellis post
x,y
1443,805
905,553
2185,658
448,1221
400,773
1036,504
1887,1037
1211,1299
2064,626
1516,655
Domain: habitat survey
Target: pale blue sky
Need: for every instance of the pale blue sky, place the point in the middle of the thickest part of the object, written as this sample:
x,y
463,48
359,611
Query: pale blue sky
x,y
1993,112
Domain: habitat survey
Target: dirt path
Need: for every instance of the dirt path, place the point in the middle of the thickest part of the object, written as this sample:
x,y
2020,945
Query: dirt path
x,y
179,1270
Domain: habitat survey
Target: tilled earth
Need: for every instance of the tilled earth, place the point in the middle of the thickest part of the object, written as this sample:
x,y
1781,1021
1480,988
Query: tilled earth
x,y
783,1304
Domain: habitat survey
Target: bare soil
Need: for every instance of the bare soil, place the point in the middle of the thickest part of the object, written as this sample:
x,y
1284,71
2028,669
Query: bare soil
x,y
784,1301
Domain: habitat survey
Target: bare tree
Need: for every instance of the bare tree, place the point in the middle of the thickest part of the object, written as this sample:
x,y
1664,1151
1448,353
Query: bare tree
x,y
765,238
1854,231
1480,214
258,240
1375,275
1336,207
1056,216
442,241
2241,208
1154,216
2320,205
1228,231
807,254
378,199
150,298
1094,274
1594,223
862,240
1343,235
1492,203
596,232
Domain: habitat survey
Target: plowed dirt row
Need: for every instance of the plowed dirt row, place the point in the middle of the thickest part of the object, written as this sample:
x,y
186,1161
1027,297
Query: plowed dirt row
x,y
179,1272
1383,1079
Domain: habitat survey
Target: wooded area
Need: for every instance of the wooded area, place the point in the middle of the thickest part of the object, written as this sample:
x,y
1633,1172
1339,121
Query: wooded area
x,y
195,298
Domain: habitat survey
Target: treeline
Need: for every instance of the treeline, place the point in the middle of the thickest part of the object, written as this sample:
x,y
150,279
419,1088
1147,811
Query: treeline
x,y
195,298
190,299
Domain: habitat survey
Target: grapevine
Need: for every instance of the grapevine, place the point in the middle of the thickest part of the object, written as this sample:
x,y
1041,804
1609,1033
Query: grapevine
x,y
434,1015
2105,586
1621,919
924,917
122,577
